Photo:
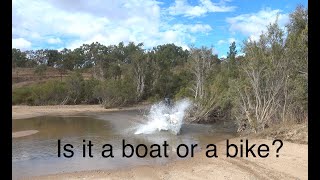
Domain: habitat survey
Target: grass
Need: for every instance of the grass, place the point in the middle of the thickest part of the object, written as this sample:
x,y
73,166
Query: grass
x,y
286,131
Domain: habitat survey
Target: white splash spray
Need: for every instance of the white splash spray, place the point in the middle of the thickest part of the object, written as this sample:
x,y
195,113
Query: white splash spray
x,y
162,117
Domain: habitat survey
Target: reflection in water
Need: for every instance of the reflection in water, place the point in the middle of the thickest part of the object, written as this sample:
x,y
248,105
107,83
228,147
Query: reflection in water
x,y
37,154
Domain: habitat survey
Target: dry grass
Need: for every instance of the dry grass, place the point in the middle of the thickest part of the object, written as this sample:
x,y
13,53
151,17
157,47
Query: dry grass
x,y
286,131
26,76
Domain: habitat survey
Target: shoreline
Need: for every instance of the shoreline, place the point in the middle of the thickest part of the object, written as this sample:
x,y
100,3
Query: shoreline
x,y
291,164
19,134
24,111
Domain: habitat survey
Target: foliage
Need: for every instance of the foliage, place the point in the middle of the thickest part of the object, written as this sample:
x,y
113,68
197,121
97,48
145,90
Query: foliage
x,y
115,92
75,87
49,93
22,96
19,59
40,70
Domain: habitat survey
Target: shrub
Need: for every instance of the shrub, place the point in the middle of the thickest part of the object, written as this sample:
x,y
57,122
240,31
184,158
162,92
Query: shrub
x,y
76,87
49,93
22,95
115,92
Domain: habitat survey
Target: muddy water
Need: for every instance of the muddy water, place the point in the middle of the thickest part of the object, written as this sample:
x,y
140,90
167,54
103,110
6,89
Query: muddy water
x,y
37,154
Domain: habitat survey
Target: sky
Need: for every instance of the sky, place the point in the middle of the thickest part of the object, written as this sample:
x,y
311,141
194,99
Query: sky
x,y
58,24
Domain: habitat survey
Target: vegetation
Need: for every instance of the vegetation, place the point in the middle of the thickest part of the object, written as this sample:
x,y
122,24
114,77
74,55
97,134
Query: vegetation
x,y
267,85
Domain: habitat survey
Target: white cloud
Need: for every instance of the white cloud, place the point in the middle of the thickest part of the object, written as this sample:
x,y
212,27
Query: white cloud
x,y
69,24
193,28
221,42
182,7
54,40
200,28
21,43
253,24
215,51
229,40
223,56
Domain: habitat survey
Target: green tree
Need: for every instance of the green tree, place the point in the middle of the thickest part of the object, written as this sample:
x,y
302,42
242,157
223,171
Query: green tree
x,y
19,59
53,56
75,86
231,55
263,80
297,57
95,54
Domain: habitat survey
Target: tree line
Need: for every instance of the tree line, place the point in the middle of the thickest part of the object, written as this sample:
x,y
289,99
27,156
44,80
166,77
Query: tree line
x,y
266,85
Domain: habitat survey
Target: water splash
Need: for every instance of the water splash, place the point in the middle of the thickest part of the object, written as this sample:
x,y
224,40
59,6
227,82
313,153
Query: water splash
x,y
163,117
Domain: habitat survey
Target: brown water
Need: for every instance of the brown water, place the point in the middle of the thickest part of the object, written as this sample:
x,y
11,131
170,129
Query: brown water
x,y
37,154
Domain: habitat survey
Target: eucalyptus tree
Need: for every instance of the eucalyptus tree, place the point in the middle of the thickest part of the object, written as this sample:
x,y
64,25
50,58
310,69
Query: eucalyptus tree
x,y
94,53
19,58
263,79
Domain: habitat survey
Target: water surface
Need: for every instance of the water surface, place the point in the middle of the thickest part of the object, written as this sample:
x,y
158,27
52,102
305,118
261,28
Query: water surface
x,y
37,154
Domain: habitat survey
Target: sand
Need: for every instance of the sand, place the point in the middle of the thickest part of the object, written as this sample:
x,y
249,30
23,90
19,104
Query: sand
x,y
24,133
292,162
22,112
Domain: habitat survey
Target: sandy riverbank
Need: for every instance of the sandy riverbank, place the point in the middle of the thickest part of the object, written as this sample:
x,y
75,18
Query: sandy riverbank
x,y
21,112
24,133
291,164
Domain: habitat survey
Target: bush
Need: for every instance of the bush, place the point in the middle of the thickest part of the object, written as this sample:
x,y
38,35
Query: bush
x,y
41,70
49,93
22,95
88,91
183,92
76,87
74,91
113,93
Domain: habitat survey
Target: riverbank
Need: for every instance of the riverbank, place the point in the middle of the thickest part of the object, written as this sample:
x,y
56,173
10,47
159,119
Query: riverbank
x,y
292,162
24,133
22,112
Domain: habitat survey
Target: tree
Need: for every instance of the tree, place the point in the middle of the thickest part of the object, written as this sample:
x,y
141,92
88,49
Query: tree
x,y
19,59
139,69
66,62
231,61
200,60
201,64
31,60
75,86
163,60
94,53
231,55
53,56
40,57
298,20
264,75
297,57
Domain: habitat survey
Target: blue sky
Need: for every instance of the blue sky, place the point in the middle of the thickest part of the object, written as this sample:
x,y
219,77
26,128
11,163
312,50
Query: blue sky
x,y
56,24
